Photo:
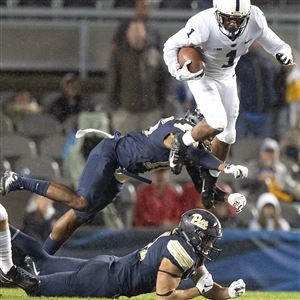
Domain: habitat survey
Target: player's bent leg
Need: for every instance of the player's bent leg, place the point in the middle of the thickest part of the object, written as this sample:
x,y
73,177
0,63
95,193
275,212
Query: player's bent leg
x,y
62,229
12,181
220,149
202,131
63,194
92,279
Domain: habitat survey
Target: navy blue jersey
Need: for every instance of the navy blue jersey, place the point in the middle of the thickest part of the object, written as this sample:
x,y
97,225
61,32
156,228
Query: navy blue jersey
x,y
111,276
139,152
106,275
139,270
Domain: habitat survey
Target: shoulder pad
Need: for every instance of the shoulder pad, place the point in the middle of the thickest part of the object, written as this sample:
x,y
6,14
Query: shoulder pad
x,y
180,255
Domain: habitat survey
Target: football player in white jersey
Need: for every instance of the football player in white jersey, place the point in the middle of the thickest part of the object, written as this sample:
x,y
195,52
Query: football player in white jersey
x,y
222,33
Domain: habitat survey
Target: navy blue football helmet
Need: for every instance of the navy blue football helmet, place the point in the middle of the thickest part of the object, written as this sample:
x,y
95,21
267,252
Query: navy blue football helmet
x,y
201,229
194,116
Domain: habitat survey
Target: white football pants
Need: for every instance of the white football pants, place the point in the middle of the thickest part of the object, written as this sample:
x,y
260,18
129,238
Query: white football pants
x,y
218,101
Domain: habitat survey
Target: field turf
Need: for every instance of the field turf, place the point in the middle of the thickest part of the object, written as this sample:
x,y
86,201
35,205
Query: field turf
x,y
18,294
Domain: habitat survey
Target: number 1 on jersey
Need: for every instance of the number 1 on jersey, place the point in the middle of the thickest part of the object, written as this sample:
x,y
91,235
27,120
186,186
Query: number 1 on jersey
x,y
231,56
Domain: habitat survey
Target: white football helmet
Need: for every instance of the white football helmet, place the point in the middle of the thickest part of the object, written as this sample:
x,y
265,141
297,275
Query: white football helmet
x,y
232,16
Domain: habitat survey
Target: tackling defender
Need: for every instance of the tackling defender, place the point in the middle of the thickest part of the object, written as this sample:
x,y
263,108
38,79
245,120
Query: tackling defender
x,y
160,266
223,33
136,152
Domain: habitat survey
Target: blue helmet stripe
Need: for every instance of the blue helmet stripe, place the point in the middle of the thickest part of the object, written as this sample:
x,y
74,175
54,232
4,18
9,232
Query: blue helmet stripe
x,y
237,5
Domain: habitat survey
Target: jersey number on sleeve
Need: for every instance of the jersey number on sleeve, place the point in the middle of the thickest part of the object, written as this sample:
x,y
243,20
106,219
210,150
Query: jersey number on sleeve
x,y
231,56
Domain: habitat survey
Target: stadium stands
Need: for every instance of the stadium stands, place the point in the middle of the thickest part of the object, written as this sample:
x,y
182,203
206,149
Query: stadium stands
x,y
40,167
15,146
38,126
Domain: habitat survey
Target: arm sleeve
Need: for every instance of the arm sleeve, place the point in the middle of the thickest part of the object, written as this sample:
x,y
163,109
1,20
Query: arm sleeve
x,y
203,158
194,33
268,39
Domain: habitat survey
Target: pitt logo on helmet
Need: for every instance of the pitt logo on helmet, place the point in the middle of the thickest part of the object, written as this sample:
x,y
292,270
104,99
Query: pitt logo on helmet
x,y
199,221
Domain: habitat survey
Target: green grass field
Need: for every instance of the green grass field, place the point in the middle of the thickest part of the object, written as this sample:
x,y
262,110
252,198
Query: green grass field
x,y
18,294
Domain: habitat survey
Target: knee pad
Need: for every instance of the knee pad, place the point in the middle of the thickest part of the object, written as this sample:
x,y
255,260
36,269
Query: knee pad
x,y
3,213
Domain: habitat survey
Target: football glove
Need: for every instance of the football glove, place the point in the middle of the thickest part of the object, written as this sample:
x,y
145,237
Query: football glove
x,y
237,288
238,201
184,74
205,283
285,58
237,171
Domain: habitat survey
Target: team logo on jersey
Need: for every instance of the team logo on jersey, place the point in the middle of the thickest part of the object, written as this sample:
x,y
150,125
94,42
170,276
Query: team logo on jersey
x,y
199,221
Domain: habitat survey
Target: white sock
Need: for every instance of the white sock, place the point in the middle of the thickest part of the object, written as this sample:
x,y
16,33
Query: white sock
x,y
187,138
5,251
214,173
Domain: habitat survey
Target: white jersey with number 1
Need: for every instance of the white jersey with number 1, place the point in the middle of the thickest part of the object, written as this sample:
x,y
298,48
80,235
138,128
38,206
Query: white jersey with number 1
x,y
221,53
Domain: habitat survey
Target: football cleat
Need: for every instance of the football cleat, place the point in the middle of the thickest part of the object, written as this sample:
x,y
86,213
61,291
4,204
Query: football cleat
x,y
10,182
177,154
28,282
30,266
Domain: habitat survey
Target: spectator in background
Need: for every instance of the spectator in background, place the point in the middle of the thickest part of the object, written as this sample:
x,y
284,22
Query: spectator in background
x,y
190,198
268,173
70,102
256,80
22,104
136,81
290,149
293,94
157,204
141,11
39,217
269,215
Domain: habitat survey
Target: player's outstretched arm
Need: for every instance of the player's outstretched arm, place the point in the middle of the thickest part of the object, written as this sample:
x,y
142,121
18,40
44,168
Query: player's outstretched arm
x,y
236,289
213,290
203,158
237,171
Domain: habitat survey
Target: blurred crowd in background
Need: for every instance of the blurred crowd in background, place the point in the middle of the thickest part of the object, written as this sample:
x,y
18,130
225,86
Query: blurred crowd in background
x,y
38,133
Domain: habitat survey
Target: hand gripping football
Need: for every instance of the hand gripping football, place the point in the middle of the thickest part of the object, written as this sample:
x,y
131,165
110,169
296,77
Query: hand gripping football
x,y
193,54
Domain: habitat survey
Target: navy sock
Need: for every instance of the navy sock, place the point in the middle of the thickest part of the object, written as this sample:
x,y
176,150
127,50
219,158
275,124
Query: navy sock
x,y
51,246
36,186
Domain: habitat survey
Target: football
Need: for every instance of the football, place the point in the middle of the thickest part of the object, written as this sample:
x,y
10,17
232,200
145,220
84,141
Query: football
x,y
193,54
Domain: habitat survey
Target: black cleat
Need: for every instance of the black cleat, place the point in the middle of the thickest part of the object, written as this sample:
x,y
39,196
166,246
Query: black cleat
x,y
177,154
18,276
208,188
30,266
